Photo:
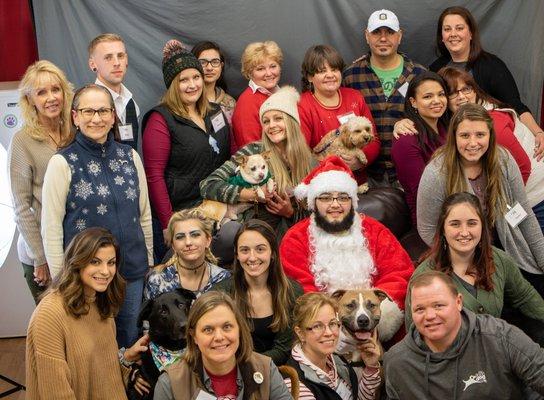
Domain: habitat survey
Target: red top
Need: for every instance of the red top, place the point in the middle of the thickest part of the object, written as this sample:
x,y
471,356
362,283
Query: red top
x,y
246,125
393,264
504,129
316,120
224,386
156,152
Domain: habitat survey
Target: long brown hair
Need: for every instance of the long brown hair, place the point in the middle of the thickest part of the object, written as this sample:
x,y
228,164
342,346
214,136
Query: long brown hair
x,y
79,253
277,282
483,266
490,161
476,50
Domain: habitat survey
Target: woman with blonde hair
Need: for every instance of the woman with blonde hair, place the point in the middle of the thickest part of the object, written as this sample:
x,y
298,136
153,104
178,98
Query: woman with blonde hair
x,y
261,65
45,101
192,265
71,350
322,373
219,361
185,139
290,160
471,161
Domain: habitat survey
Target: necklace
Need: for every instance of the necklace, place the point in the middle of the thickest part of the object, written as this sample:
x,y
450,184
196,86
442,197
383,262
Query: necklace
x,y
53,139
194,269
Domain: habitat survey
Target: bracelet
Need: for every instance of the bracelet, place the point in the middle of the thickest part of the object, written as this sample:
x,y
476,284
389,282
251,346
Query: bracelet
x,y
122,358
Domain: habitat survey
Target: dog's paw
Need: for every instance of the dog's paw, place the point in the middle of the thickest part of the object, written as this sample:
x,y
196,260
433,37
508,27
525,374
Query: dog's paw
x,y
362,189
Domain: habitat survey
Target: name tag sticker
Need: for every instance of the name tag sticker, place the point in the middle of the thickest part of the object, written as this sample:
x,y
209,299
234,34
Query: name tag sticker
x,y
218,122
345,117
515,215
403,89
202,395
125,131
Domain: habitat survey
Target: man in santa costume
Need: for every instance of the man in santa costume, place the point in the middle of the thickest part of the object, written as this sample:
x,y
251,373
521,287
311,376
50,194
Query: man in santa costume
x,y
338,248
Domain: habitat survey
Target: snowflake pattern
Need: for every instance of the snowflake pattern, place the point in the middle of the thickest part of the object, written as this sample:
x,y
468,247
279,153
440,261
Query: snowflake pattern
x,y
119,180
102,209
103,190
85,211
72,157
131,194
73,205
114,165
127,169
83,189
94,168
131,182
121,153
81,224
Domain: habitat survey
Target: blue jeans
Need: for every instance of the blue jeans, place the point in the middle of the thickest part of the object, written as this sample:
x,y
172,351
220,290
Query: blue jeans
x,y
539,213
126,320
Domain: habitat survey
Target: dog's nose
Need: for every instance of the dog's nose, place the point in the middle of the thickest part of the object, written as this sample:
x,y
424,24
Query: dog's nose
x,y
363,321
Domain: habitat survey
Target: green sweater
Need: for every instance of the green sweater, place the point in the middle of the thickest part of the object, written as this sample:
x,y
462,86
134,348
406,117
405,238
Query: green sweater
x,y
507,283
283,340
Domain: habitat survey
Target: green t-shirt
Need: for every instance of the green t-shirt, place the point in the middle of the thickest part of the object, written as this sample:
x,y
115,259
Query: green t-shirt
x,y
388,77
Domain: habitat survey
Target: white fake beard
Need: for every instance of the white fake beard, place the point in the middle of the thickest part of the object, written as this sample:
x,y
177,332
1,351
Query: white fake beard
x,y
340,261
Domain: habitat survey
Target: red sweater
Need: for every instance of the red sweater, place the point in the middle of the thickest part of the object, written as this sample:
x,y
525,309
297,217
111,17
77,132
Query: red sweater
x,y
316,120
246,124
504,129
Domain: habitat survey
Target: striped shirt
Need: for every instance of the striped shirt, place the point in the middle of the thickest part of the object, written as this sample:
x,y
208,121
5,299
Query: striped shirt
x,y
385,110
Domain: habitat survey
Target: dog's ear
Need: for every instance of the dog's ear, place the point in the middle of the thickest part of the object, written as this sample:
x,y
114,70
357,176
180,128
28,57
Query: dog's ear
x,y
345,137
337,295
266,155
241,160
145,312
189,295
382,295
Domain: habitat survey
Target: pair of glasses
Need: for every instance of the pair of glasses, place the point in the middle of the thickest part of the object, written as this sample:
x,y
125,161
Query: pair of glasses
x,y
466,90
329,198
215,62
319,328
88,113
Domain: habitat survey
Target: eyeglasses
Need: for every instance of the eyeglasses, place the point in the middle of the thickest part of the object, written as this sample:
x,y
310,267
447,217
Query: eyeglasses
x,y
88,113
215,62
329,198
319,328
466,90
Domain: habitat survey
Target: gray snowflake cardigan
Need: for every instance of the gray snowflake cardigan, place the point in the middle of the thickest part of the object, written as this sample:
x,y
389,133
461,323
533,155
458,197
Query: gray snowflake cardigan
x,y
103,185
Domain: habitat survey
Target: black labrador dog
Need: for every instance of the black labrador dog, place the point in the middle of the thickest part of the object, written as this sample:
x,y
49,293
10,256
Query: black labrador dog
x,y
167,317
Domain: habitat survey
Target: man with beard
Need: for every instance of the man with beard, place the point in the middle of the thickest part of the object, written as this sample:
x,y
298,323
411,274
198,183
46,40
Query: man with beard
x,y
337,248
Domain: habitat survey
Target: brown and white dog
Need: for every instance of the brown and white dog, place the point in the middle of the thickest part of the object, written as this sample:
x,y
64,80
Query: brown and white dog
x,y
252,170
361,312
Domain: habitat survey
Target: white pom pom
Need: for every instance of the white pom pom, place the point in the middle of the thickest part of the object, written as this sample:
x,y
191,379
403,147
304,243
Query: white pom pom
x,y
301,191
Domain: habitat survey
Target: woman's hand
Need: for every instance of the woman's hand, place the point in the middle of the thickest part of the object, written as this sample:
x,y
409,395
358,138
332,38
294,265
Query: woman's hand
x,y
404,127
280,205
41,275
539,146
353,162
140,384
371,350
133,353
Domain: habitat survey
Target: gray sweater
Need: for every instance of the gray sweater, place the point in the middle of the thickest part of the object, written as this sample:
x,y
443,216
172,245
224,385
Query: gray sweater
x,y
489,359
525,243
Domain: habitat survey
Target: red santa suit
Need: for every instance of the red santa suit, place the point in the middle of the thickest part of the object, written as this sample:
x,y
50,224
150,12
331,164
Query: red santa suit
x,y
367,255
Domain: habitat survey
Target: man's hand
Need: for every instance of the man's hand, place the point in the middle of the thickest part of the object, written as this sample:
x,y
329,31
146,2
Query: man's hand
x,y
279,205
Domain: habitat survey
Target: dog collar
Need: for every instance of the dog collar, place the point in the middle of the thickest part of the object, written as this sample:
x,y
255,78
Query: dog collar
x,y
163,357
336,134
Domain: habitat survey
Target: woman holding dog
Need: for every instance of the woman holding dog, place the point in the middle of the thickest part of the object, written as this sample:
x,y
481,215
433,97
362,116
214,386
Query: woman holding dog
x,y
324,105
483,274
426,107
185,139
458,44
219,360
71,351
192,265
289,161
471,161
261,291
45,101
322,374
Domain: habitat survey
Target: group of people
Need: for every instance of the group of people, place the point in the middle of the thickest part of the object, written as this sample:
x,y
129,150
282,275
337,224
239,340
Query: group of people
x,y
101,229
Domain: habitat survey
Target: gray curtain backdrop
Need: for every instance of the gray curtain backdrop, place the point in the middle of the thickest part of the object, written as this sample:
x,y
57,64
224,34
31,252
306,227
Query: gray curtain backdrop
x,y
513,30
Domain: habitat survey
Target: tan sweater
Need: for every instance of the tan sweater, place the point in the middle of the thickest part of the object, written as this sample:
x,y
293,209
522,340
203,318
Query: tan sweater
x,y
69,358
27,162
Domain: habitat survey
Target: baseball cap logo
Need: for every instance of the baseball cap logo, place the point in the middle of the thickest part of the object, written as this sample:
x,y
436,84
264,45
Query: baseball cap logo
x,y
383,16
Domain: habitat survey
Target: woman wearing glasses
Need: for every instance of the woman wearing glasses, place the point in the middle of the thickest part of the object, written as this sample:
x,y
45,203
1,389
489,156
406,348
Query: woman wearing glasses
x,y
212,59
321,373
96,181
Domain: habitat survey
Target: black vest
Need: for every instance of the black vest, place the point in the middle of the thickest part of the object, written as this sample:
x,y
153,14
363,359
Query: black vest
x,y
322,391
192,158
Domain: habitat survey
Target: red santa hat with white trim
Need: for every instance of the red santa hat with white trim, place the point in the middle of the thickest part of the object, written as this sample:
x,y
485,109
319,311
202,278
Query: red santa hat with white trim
x,y
331,175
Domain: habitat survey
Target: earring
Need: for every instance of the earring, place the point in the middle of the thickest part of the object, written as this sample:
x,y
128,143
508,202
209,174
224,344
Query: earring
x,y
94,69
415,109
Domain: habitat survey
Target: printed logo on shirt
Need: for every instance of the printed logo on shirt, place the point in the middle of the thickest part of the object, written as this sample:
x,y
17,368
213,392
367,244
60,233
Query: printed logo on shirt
x,y
478,377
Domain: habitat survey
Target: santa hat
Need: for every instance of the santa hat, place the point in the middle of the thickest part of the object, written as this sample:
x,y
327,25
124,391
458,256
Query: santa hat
x,y
285,99
331,175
